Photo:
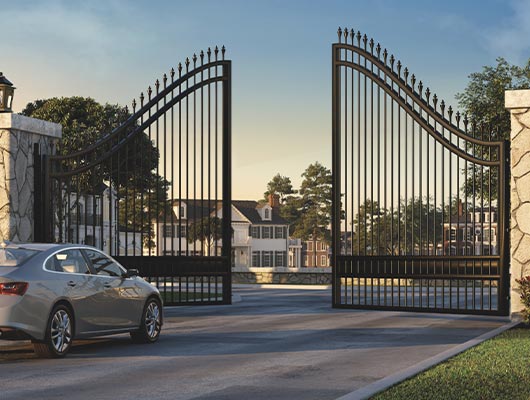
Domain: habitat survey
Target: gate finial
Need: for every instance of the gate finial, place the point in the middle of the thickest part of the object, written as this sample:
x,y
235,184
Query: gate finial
x,y
420,89
164,79
352,35
442,107
209,52
187,64
194,60
435,100
339,34
142,99
202,57
179,68
358,38
216,51
134,105
346,35
399,68
378,50
149,92
172,74
223,49
385,55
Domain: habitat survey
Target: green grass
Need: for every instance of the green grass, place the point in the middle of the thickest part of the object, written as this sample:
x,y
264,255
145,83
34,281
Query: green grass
x,y
496,369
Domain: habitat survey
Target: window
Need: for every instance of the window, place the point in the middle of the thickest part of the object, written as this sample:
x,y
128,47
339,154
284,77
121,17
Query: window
x,y
452,236
279,232
254,232
280,259
266,258
255,259
486,235
267,214
323,262
309,246
182,231
182,212
306,261
266,232
103,265
71,261
453,250
169,231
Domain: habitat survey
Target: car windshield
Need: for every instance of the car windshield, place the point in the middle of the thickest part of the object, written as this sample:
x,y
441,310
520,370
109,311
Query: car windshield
x,y
15,257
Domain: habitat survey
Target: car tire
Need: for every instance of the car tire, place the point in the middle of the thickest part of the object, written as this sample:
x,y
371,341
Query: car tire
x,y
151,323
58,336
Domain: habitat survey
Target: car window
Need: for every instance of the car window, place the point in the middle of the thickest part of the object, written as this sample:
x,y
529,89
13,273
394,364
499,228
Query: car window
x,y
70,261
13,257
103,265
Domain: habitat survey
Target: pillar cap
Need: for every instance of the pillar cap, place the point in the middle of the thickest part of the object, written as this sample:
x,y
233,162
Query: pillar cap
x,y
517,99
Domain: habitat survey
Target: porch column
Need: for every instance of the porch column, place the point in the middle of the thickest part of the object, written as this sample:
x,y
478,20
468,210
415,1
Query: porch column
x,y
18,136
518,103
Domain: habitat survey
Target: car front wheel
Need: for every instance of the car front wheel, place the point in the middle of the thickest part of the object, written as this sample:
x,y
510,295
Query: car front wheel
x,y
151,323
59,334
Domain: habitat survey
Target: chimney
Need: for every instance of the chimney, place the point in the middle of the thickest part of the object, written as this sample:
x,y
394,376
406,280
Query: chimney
x,y
274,200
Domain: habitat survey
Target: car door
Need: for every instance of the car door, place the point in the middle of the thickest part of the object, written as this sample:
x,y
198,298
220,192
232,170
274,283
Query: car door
x,y
72,280
119,300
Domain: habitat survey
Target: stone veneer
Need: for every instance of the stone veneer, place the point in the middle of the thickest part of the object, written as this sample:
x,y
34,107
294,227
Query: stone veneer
x,y
301,276
518,103
18,134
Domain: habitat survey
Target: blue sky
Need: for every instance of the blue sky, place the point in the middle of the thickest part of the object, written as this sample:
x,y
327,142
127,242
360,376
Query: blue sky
x,y
281,52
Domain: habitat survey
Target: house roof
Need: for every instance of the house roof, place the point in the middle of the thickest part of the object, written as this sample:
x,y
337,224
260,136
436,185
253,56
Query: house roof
x,y
197,209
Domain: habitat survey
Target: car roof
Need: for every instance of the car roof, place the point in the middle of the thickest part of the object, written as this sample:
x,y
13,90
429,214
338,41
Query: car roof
x,y
39,246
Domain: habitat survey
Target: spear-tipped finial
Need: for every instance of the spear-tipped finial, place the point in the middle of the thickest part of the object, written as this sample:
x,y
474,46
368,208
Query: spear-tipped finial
x,y
442,106
378,50
345,35
365,40
179,68
157,85
435,100
202,57
194,58
134,105
413,81
371,46
420,88
359,38
352,35
187,63
427,94
385,55
164,79
209,52
392,59
142,99
216,52
339,34
406,74
466,121
172,73
450,112
223,49
457,117
126,110
399,68
149,92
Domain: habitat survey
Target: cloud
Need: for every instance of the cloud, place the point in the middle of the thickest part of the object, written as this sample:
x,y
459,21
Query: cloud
x,y
512,39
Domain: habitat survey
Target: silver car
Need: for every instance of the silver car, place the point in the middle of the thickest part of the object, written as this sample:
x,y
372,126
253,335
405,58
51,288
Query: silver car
x,y
53,293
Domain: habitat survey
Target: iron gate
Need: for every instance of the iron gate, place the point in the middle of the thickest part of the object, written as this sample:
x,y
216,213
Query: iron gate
x,y
155,193
420,193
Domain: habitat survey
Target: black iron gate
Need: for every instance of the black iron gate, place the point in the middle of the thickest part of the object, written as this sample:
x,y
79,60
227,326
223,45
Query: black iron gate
x,y
420,194
155,193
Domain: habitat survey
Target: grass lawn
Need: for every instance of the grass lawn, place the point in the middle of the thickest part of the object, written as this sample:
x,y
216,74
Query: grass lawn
x,y
496,369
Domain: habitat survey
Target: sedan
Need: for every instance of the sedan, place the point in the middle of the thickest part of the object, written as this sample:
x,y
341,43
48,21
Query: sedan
x,y
53,293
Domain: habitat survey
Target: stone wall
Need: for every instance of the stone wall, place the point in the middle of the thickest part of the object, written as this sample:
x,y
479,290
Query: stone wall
x,y
518,102
293,276
18,134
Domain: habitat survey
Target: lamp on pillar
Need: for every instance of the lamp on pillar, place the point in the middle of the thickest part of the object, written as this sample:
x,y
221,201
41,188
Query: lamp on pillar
x,y
6,94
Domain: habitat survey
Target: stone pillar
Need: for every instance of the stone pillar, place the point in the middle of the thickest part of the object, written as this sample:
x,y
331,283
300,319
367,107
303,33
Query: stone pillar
x,y
18,136
518,103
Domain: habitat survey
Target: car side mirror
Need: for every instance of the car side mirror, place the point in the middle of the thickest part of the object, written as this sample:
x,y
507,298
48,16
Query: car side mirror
x,y
131,273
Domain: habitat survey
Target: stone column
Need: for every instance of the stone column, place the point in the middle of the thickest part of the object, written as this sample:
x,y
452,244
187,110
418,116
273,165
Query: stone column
x,y
518,103
18,136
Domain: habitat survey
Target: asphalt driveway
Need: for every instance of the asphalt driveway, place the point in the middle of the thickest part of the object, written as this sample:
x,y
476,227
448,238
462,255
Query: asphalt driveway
x,y
273,344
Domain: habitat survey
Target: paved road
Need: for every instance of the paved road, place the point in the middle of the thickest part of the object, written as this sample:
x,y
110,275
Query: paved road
x,y
274,344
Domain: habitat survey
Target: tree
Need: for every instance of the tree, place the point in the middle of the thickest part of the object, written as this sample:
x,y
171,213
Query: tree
x,y
314,205
280,185
142,193
207,230
483,102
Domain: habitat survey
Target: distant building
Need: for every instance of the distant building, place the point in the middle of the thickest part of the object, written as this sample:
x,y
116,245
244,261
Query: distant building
x,y
315,254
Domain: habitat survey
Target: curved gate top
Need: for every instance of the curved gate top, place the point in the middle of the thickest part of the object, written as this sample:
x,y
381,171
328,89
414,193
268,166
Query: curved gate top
x,y
155,193
420,193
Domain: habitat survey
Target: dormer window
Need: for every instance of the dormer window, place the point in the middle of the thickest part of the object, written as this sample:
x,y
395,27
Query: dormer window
x,y
267,214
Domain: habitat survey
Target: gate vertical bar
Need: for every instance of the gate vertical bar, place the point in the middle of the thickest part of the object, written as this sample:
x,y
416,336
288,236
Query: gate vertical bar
x,y
227,179
336,168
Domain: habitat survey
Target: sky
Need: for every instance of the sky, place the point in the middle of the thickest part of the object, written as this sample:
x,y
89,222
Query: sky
x,y
281,59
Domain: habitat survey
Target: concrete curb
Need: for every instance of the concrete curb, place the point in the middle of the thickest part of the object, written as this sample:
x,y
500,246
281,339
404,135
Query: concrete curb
x,y
383,384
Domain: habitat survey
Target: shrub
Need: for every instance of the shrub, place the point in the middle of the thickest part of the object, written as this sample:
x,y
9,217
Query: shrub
x,y
524,284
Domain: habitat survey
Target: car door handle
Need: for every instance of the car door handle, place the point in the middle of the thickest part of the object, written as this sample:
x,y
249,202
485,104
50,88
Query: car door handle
x,y
71,283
